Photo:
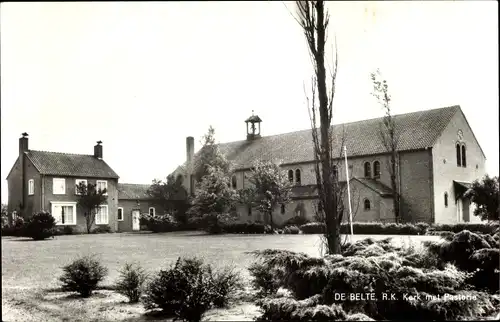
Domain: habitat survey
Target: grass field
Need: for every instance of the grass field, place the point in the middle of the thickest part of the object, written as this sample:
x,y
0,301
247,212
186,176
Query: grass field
x,y
30,269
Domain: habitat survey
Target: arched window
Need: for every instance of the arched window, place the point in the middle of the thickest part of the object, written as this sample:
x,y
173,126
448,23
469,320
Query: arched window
x,y
282,208
335,173
446,199
367,204
376,169
233,182
459,159
297,177
152,211
368,170
290,176
464,156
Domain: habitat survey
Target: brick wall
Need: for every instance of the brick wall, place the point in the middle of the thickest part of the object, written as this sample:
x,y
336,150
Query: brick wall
x,y
130,205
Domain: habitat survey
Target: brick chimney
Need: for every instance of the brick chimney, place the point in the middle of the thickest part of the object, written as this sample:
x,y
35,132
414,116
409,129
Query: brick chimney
x,y
189,149
189,161
98,150
23,147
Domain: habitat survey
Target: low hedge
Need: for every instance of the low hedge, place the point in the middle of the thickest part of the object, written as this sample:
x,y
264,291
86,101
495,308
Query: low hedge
x,y
374,228
247,228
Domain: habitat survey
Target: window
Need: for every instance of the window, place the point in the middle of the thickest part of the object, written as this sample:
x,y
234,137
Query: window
x,y
120,214
297,177
368,170
64,213
58,186
152,211
290,176
77,183
101,185
31,187
233,182
335,173
367,204
459,159
446,199
14,215
249,210
464,163
376,169
101,217
282,208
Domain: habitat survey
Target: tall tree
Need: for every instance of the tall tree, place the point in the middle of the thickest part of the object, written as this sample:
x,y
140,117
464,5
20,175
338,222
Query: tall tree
x,y
171,196
210,156
271,187
214,200
389,134
485,194
314,19
90,198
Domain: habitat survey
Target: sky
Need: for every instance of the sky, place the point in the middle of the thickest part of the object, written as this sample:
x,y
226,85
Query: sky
x,y
142,77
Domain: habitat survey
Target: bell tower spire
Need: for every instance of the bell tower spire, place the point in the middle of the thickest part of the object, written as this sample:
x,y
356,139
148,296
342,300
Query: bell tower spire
x,y
253,131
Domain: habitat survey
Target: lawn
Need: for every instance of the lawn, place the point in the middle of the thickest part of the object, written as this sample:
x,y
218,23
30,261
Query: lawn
x,y
30,269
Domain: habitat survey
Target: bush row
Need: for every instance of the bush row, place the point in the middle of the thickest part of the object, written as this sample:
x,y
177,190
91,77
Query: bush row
x,y
247,228
400,229
442,287
185,291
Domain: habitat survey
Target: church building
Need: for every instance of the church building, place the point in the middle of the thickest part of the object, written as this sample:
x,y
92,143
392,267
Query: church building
x,y
438,157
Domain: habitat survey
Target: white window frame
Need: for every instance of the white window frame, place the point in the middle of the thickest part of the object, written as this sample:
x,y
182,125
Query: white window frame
x,y
97,216
97,186
55,191
118,217
67,204
154,211
31,187
77,182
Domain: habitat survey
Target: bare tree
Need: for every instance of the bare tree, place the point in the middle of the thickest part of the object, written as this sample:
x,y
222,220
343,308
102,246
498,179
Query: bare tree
x,y
389,135
314,19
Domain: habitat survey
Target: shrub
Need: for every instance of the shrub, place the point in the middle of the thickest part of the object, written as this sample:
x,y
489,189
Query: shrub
x,y
101,229
313,228
40,226
264,280
484,228
296,221
358,317
16,229
83,275
294,230
189,288
131,282
287,309
159,223
247,228
65,230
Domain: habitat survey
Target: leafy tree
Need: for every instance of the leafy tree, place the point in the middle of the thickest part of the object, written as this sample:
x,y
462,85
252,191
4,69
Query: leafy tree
x,y
5,216
214,200
314,20
90,198
210,156
171,196
485,194
271,187
389,134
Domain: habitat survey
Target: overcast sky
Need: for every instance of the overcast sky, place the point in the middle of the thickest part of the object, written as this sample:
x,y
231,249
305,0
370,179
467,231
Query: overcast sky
x,y
143,76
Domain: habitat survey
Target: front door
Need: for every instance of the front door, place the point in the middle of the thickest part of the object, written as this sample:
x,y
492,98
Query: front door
x,y
136,215
460,210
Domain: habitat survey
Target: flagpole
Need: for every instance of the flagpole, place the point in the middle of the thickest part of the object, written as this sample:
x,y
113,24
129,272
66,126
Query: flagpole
x,y
348,191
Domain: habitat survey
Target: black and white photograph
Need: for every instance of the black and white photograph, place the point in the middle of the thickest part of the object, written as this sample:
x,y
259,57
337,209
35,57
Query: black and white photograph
x,y
250,161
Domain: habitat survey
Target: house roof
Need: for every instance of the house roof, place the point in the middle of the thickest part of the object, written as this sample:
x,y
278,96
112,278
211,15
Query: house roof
x,y
71,165
419,130
376,186
133,191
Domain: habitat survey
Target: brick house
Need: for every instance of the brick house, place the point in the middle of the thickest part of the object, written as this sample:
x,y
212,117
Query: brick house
x,y
133,200
41,180
438,158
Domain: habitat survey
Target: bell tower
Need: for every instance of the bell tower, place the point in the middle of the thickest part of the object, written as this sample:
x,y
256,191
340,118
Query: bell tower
x,y
253,131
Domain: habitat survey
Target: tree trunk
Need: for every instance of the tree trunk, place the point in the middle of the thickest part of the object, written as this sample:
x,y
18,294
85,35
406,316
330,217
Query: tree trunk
x,y
330,205
271,219
394,186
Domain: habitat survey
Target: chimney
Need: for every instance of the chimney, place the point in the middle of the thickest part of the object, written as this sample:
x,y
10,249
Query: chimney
x,y
98,150
23,147
189,149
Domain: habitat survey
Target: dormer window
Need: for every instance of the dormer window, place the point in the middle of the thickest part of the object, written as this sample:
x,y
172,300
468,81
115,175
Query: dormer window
x,y
290,176
368,170
297,177
376,169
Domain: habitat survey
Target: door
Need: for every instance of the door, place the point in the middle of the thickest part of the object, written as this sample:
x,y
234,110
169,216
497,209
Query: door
x,y
136,215
460,210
